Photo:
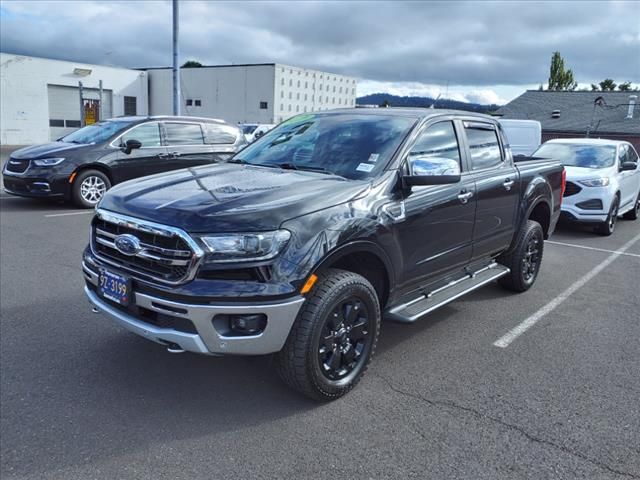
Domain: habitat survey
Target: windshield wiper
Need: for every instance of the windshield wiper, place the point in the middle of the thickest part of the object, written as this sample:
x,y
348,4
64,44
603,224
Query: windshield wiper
x,y
239,161
310,168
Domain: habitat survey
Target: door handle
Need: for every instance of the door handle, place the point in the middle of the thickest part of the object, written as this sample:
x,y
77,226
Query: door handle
x,y
163,155
175,154
508,183
465,197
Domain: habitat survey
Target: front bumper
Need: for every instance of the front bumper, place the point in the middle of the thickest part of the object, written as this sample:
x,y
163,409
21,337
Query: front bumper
x,y
36,185
206,339
597,199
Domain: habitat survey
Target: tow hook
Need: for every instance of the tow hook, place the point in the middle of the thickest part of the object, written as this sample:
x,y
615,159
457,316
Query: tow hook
x,y
174,348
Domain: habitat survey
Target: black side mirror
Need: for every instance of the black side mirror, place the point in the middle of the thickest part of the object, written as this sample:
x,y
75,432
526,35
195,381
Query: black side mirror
x,y
628,166
131,145
411,180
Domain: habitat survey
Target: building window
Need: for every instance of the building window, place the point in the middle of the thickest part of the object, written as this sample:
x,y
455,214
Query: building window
x,y
289,107
281,93
306,74
130,104
198,103
333,100
313,98
334,89
353,91
264,105
298,83
297,108
281,106
298,96
327,88
290,83
282,80
290,95
306,84
56,123
327,101
305,109
189,102
305,97
340,90
291,71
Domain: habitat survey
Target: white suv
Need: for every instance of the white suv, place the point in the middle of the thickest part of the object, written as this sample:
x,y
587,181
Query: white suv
x,y
603,180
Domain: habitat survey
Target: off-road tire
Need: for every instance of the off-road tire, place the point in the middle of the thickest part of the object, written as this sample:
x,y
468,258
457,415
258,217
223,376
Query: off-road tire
x,y
80,198
298,363
520,279
607,227
634,213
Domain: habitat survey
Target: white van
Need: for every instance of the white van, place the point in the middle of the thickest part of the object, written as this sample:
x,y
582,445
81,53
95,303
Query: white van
x,y
524,136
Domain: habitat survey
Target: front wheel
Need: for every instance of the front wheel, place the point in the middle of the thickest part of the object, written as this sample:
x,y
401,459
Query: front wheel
x,y
333,338
89,187
524,259
609,225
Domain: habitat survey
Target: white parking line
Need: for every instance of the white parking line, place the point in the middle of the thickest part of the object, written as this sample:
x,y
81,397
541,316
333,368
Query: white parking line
x,y
84,212
593,248
515,332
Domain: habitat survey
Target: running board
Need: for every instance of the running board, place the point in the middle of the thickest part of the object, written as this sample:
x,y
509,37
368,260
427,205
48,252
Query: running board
x,y
411,311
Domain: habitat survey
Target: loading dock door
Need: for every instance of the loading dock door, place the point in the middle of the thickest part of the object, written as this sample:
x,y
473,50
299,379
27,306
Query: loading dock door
x,y
64,107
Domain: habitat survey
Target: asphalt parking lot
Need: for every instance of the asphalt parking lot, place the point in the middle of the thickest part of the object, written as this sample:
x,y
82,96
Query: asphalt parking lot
x,y
460,394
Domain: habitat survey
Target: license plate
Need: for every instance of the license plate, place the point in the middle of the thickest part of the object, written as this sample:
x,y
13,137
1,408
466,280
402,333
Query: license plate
x,y
114,287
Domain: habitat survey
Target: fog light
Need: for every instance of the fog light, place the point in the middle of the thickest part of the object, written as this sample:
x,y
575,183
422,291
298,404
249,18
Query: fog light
x,y
231,325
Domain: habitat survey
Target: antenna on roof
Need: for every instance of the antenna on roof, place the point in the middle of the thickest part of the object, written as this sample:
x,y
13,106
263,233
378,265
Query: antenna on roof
x,y
596,103
433,105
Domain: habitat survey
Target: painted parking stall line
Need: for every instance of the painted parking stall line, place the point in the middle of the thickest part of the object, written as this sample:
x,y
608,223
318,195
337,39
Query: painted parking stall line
x,y
593,248
515,332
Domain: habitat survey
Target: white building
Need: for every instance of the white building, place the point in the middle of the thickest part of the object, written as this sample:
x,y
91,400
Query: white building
x,y
256,93
40,98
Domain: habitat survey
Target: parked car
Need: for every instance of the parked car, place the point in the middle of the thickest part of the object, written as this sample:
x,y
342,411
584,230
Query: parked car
x,y
603,180
247,130
261,130
83,165
524,136
302,242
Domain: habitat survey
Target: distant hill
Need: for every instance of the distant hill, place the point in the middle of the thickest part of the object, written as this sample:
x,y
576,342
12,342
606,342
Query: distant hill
x,y
396,101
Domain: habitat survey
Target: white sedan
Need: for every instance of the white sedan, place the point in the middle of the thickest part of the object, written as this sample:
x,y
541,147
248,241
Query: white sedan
x,y
603,180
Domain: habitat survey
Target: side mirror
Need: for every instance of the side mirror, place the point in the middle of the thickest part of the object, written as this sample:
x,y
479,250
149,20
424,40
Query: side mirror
x,y
628,166
432,171
131,145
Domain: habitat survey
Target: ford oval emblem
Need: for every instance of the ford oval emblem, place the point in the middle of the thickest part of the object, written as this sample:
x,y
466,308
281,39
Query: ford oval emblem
x,y
127,244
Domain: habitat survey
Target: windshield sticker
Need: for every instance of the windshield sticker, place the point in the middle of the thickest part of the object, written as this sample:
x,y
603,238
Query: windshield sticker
x,y
365,167
373,158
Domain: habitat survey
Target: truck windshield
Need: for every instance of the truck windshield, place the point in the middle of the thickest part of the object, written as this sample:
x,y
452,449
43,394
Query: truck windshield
x,y
96,133
577,155
351,145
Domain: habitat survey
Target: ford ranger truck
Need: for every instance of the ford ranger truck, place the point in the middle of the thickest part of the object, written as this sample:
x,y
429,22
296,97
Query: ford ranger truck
x,y
306,239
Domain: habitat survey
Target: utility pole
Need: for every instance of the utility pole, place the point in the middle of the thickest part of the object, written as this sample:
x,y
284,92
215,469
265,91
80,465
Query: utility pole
x,y
176,62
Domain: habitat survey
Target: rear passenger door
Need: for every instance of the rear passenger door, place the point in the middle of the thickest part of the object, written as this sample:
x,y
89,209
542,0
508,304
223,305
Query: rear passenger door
x,y
497,188
146,160
185,145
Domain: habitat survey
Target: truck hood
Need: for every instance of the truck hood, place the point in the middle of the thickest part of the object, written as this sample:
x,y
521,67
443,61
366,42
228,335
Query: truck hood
x,y
45,150
229,197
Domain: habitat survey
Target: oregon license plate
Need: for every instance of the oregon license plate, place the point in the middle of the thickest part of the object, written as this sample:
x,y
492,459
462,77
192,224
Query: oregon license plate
x,y
114,287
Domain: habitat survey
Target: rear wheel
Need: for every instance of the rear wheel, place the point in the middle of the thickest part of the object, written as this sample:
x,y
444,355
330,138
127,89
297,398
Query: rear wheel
x,y
606,228
524,259
89,187
634,212
333,338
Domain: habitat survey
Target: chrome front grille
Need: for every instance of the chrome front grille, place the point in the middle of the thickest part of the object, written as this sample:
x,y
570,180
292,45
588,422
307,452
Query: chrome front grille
x,y
165,254
17,166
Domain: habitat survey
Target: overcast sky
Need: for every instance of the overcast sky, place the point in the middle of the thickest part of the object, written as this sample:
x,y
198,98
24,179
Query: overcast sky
x,y
483,51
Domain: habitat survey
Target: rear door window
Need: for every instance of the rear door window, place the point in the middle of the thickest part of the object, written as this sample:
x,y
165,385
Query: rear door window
x,y
220,134
148,134
484,146
184,134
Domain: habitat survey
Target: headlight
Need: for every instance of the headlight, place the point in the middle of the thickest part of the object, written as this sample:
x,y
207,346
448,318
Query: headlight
x,y
238,247
595,182
48,162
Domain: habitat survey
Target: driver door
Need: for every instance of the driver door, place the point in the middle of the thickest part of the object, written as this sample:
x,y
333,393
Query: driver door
x,y
150,158
436,234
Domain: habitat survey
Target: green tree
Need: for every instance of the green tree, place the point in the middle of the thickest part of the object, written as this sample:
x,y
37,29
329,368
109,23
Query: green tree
x,y
191,64
624,87
594,87
559,78
607,85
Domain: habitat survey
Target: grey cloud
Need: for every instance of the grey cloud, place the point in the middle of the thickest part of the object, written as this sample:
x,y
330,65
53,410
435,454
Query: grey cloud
x,y
463,43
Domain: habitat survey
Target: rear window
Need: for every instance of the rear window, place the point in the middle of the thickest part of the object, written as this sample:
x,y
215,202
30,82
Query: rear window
x,y
576,155
484,147
220,134
184,134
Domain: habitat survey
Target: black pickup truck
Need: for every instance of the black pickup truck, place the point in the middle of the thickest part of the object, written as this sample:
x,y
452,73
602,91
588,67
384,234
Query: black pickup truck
x,y
307,238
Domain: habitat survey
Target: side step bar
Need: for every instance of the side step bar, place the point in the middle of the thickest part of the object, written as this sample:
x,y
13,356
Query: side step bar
x,y
411,311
